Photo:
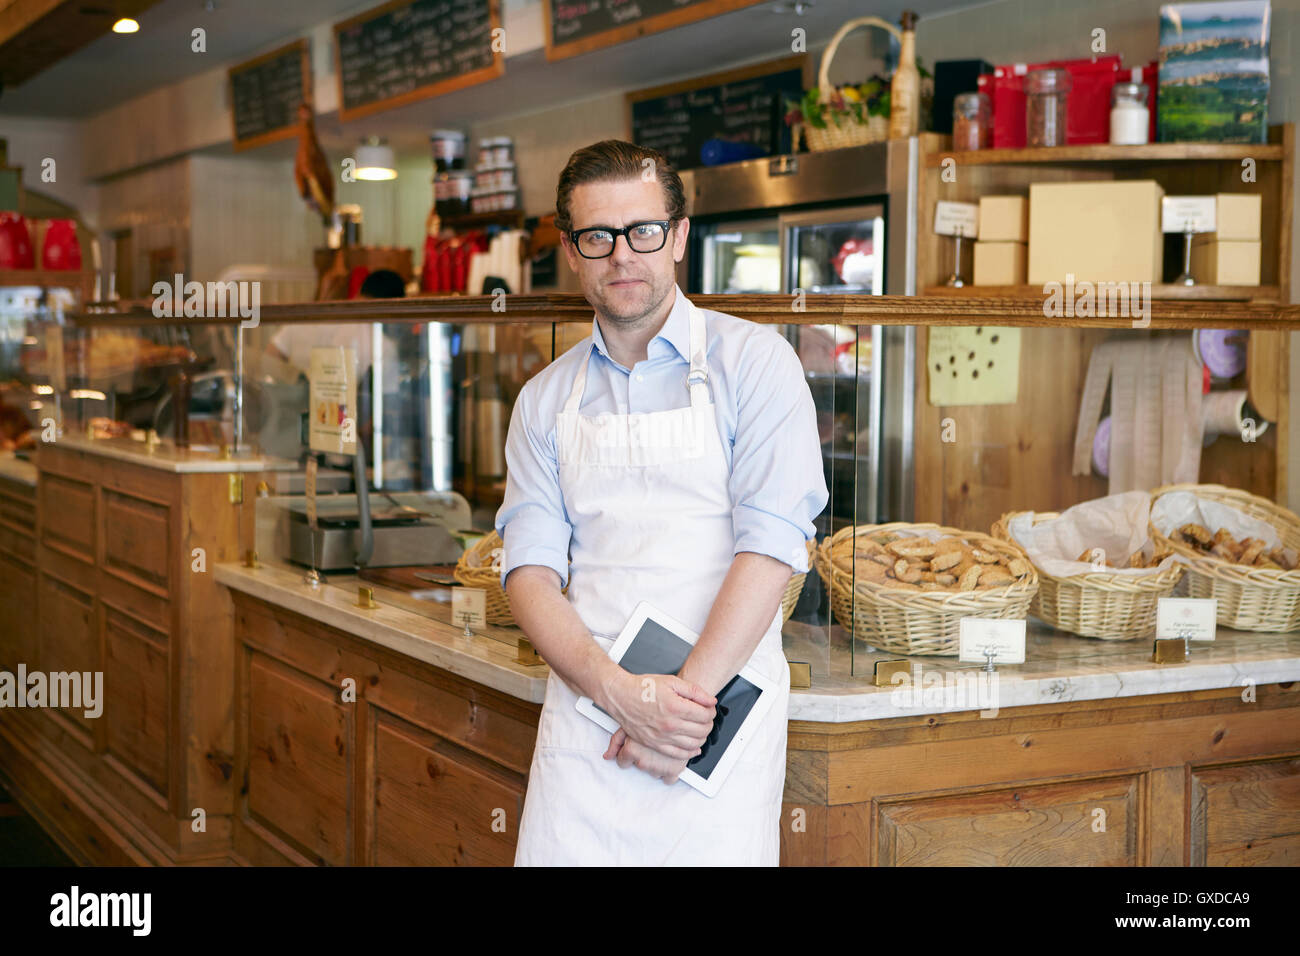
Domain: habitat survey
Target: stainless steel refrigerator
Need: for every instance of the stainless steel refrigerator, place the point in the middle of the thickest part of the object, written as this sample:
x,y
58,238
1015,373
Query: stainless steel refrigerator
x,y
841,221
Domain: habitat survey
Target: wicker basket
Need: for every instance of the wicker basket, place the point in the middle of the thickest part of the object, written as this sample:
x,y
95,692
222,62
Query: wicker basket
x,y
1100,604
876,129
912,622
474,570
795,587
1250,599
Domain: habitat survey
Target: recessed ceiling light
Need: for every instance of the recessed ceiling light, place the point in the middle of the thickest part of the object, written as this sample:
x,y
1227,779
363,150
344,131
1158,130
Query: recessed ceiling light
x,y
797,7
126,25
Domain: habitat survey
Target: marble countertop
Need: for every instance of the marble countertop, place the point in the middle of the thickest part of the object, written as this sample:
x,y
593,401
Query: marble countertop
x,y
168,457
1059,667
16,469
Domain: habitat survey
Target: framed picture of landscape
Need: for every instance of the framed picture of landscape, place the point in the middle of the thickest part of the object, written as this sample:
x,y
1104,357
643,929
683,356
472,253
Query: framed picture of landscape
x,y
1214,72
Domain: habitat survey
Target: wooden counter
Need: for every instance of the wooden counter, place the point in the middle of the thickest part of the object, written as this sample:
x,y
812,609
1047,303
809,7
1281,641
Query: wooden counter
x,y
106,562
429,765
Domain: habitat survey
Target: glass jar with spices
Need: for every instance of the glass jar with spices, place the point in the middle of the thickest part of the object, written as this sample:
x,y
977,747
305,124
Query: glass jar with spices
x,y
1047,94
1129,116
971,121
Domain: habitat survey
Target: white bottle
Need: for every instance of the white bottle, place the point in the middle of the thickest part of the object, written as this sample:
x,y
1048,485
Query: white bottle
x,y
1130,119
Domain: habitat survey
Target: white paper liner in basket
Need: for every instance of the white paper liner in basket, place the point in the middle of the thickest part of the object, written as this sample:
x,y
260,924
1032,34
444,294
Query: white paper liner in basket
x,y
1116,524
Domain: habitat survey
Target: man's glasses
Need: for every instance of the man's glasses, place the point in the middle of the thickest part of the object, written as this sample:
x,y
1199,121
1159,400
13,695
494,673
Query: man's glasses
x,y
597,242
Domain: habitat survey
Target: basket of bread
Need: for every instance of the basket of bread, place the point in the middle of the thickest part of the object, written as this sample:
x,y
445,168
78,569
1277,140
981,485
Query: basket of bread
x,y
480,567
792,590
1100,573
905,587
1240,549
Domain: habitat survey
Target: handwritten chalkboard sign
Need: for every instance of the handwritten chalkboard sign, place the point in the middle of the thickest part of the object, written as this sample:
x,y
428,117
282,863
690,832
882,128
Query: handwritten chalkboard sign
x,y
412,49
265,94
579,26
741,106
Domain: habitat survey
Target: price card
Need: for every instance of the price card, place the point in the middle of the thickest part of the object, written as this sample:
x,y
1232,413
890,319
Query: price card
x,y
469,607
954,218
1193,619
980,634
1184,213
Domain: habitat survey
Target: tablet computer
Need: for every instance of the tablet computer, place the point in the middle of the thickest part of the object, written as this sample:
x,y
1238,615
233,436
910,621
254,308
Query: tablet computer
x,y
654,643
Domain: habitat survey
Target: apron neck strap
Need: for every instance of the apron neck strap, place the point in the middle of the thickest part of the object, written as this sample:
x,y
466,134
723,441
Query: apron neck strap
x,y
698,376
696,379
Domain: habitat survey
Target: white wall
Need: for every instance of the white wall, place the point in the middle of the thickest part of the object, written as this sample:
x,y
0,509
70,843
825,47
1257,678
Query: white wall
x,y
32,141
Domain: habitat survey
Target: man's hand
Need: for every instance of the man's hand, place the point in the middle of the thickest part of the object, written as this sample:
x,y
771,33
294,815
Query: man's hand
x,y
629,753
661,712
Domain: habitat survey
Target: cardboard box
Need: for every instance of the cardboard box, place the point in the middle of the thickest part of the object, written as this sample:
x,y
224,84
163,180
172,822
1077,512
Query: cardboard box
x,y
1236,216
1004,219
1223,262
1001,263
1095,231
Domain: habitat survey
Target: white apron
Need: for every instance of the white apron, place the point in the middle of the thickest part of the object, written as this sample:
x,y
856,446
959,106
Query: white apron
x,y
647,496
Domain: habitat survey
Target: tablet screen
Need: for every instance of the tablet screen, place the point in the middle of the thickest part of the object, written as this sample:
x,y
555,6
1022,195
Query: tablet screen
x,y
657,650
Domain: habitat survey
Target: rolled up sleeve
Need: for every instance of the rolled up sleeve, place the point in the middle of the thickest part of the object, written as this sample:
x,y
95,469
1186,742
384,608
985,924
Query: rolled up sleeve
x,y
777,483
532,520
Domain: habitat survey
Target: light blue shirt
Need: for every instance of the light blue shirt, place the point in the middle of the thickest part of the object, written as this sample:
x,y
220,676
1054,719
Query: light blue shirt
x,y
765,415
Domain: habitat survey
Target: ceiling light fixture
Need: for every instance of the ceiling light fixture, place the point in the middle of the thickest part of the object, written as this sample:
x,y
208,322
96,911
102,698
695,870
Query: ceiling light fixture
x,y
126,25
375,161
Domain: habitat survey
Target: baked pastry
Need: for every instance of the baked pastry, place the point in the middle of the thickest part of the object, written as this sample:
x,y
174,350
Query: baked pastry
x,y
1253,552
914,563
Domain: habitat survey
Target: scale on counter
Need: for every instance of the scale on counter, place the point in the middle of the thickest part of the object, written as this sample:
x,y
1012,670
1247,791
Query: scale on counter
x,y
407,528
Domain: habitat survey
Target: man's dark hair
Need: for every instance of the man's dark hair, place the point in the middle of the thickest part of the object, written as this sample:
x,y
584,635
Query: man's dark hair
x,y
383,284
613,160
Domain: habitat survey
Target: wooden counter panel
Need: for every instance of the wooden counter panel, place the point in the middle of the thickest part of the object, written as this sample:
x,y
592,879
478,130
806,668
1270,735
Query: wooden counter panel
x,y
69,636
129,600
299,742
68,516
136,700
1080,823
18,636
136,542
436,804
21,546
1050,752
1246,815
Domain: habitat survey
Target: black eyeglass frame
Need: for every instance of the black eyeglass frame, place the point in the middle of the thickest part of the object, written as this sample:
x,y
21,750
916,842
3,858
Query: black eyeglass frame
x,y
666,224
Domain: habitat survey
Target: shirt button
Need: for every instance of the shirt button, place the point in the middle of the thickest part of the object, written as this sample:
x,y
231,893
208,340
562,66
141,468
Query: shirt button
x,y
640,378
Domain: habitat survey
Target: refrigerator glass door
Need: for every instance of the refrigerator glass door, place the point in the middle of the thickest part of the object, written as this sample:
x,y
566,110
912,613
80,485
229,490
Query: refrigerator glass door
x,y
839,250
741,256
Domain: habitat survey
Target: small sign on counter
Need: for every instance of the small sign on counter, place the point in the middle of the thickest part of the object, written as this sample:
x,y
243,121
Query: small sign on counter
x,y
469,607
333,399
1192,619
980,635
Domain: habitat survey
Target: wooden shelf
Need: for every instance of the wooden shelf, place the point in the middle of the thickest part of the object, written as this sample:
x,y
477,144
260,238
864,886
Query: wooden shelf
x,y
45,278
1260,294
1106,153
976,308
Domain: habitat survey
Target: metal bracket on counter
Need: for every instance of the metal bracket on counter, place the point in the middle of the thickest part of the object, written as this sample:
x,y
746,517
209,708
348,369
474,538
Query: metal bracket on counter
x,y
250,559
366,597
1170,650
883,675
800,674
528,655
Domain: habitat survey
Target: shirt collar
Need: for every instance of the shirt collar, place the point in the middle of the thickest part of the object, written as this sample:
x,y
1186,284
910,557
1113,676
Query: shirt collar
x,y
675,333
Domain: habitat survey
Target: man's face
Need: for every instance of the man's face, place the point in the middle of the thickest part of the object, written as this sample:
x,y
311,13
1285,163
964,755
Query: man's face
x,y
625,286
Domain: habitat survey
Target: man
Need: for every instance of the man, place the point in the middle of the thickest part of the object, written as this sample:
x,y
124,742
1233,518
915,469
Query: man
x,y
673,457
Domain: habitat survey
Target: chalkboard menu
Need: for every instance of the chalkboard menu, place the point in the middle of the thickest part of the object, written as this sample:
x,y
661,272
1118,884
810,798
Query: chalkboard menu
x,y
578,26
739,107
265,94
412,49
